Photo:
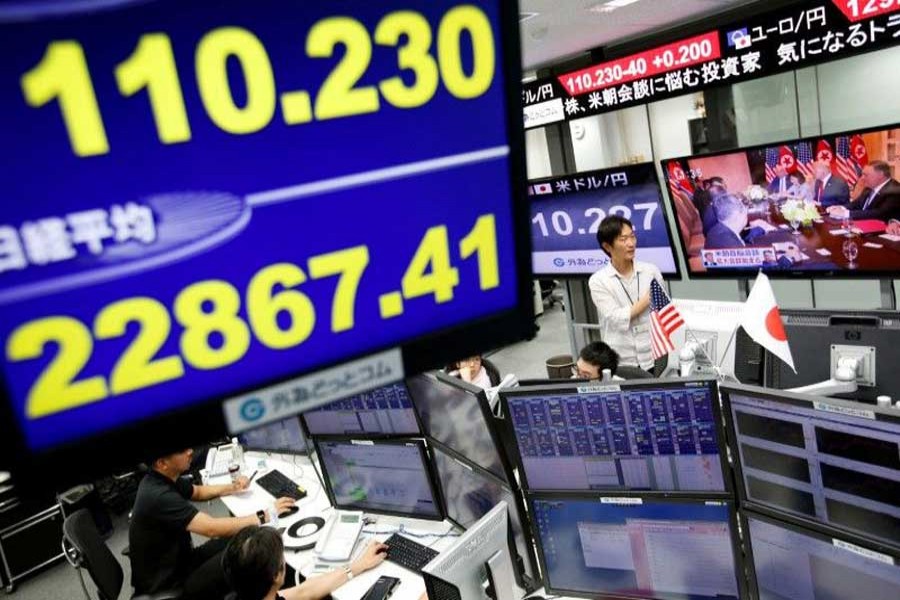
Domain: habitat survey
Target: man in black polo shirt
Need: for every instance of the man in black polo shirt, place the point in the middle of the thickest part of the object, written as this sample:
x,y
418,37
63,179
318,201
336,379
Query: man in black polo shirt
x,y
162,556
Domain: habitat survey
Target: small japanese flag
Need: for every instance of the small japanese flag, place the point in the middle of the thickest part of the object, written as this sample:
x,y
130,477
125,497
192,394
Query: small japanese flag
x,y
762,320
543,188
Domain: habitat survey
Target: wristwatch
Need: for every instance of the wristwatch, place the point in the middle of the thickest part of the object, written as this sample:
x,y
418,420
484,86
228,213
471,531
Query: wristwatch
x,y
261,515
348,572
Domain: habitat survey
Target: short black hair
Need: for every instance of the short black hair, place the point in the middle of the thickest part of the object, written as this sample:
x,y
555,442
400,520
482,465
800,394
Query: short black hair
x,y
252,561
610,228
882,167
601,356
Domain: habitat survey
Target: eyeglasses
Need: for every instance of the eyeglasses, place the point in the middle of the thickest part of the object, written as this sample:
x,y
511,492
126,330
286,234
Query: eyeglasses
x,y
578,373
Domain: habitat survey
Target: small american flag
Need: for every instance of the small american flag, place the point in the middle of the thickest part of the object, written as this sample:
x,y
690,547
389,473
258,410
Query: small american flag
x,y
664,320
771,161
846,166
805,160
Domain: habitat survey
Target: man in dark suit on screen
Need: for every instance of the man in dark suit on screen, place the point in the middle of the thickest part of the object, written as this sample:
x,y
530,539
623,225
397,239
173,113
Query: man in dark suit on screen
x,y
880,200
781,183
731,217
829,189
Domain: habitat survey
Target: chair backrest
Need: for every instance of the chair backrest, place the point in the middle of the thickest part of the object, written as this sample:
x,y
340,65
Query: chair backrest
x,y
492,371
629,372
95,557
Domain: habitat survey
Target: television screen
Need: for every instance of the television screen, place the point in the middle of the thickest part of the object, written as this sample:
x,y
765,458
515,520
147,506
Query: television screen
x,y
788,562
386,410
805,207
636,547
457,414
818,459
566,213
201,204
656,436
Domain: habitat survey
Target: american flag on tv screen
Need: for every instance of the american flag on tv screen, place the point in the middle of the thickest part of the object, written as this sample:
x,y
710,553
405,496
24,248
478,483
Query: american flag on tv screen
x,y
771,160
846,166
805,160
664,320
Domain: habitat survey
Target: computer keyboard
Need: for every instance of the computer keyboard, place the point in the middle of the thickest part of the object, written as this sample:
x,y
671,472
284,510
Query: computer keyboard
x,y
407,553
280,485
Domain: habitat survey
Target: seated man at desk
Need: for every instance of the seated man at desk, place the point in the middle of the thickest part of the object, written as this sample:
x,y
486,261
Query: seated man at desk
x,y
829,189
731,217
162,521
255,568
593,358
879,200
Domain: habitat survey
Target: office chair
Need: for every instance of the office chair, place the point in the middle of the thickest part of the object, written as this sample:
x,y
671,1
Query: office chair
x,y
85,549
629,372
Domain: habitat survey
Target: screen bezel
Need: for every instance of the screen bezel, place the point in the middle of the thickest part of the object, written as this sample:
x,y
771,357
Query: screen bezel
x,y
74,461
524,521
657,497
424,457
789,399
366,434
491,422
822,533
510,433
748,274
654,178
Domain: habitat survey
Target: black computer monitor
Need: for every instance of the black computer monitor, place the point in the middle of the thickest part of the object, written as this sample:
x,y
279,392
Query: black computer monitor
x,y
637,546
383,411
285,436
821,459
817,335
458,415
660,435
379,476
790,562
469,492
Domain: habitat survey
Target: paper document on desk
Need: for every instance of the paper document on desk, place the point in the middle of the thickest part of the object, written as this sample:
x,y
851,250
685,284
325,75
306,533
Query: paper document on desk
x,y
890,238
764,225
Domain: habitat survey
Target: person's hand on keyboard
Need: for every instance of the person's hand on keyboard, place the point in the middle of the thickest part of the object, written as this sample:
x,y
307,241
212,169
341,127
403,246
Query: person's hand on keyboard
x,y
374,555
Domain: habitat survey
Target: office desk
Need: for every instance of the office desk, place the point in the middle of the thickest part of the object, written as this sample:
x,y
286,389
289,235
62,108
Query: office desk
x,y
316,504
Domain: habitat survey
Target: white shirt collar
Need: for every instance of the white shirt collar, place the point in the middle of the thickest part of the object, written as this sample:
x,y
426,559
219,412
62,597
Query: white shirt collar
x,y
610,271
878,189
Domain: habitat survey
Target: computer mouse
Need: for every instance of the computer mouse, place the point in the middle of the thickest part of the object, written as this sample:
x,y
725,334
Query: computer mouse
x,y
290,511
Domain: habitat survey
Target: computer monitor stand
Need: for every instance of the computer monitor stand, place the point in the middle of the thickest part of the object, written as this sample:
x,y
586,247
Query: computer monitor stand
x,y
500,578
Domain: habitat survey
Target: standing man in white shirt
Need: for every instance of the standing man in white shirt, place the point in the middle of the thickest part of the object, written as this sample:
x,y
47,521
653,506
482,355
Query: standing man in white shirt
x,y
621,292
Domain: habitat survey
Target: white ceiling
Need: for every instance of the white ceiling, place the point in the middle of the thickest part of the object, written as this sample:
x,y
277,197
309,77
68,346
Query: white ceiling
x,y
563,28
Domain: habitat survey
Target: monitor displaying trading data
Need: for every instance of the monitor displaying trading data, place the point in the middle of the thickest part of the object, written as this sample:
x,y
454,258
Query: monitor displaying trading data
x,y
660,436
795,563
636,547
827,460
379,477
469,493
383,411
458,415
281,436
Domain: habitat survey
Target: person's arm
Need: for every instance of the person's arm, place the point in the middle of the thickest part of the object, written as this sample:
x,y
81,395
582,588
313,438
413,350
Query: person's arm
x,y
320,586
218,527
208,492
614,316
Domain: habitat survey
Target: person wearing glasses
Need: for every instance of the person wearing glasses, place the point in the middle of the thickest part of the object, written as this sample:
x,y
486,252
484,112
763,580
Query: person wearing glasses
x,y
255,568
593,359
621,292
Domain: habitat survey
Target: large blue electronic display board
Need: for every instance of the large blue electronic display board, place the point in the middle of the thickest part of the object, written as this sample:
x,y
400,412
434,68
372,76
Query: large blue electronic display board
x,y
202,198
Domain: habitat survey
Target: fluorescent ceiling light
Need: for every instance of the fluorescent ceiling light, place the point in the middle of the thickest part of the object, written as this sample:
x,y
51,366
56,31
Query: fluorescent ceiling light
x,y
619,3
610,5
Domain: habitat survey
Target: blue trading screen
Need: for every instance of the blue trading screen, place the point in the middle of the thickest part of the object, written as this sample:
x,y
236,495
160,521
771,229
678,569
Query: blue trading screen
x,y
644,438
820,461
283,436
791,564
470,494
204,197
637,548
453,415
379,477
384,411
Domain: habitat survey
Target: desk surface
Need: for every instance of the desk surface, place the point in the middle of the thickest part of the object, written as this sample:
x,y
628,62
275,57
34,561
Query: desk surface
x,y
316,503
